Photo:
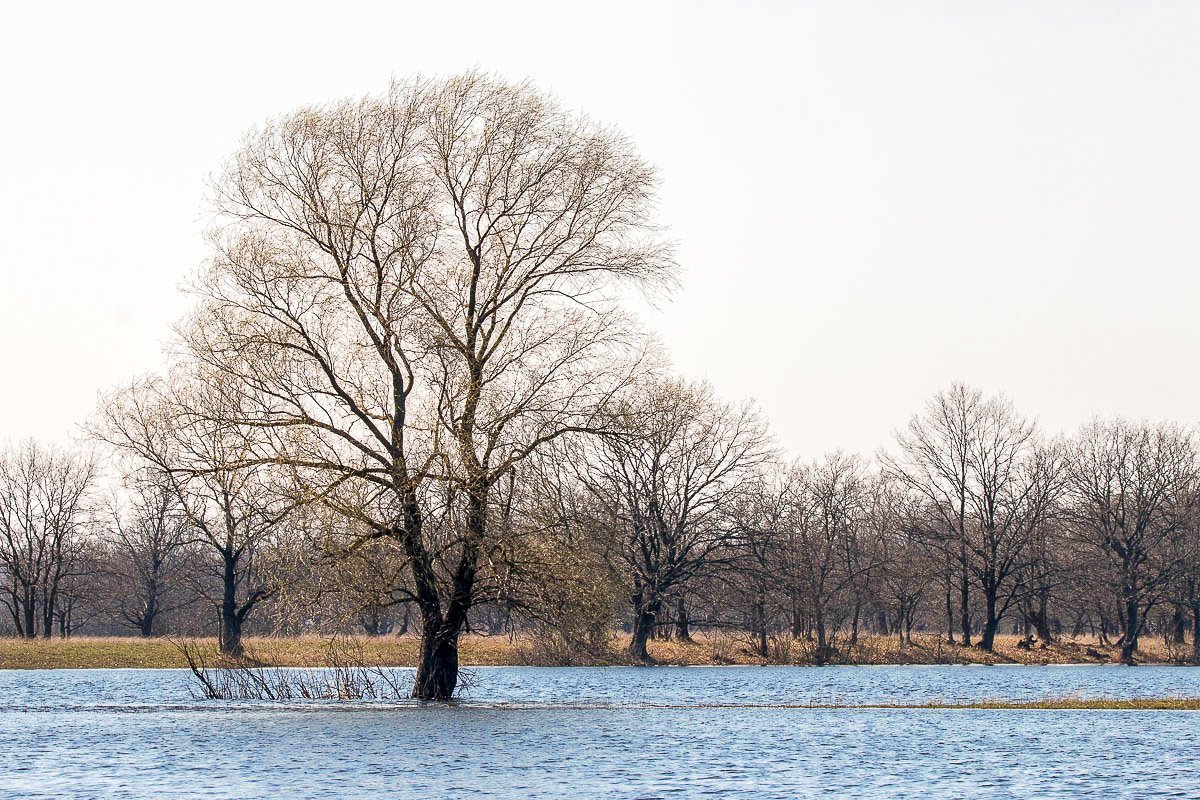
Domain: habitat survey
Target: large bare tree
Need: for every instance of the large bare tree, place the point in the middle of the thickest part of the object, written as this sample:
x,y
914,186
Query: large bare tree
x,y
418,291
758,578
667,482
44,493
184,430
1014,483
1132,491
987,488
933,462
907,567
149,535
829,542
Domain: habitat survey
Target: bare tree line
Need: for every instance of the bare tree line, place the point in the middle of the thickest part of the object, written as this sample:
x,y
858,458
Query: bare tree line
x,y
677,515
409,395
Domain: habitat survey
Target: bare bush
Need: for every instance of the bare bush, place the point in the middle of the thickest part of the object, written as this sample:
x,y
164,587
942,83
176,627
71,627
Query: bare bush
x,y
346,675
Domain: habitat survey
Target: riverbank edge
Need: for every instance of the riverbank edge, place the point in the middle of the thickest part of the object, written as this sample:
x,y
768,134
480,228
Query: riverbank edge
x,y
482,651
1059,704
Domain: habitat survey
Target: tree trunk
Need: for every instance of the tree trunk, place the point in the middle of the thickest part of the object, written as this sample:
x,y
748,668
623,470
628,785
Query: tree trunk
x,y
964,590
437,667
1196,633
231,635
230,640
822,643
1132,621
644,621
146,624
758,624
949,603
14,611
47,615
375,620
1178,626
854,623
1041,618
991,621
683,630
30,631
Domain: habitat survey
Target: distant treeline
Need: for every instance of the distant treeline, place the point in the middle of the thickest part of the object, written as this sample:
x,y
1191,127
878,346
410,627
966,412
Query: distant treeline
x,y
682,520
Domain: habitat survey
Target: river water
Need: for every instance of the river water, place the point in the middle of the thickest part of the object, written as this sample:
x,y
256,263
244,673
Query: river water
x,y
607,732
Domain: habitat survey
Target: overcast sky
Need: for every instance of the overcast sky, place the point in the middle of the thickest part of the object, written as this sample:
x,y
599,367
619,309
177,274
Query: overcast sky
x,y
869,202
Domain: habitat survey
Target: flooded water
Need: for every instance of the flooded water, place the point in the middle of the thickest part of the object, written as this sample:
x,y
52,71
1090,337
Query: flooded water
x,y
607,732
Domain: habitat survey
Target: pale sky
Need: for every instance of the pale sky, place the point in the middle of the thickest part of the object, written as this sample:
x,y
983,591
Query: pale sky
x,y
870,200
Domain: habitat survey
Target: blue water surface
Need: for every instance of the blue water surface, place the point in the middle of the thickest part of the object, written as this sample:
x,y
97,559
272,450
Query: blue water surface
x,y
607,732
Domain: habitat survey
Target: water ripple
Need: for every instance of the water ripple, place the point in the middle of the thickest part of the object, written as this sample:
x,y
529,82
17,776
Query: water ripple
x,y
609,732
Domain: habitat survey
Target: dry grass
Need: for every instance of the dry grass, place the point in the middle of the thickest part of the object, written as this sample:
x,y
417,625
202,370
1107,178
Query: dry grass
x,y
1061,704
880,650
83,652
706,649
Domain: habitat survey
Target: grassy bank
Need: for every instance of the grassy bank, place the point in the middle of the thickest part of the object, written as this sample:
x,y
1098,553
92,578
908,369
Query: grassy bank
x,y
99,652
1070,704
1041,704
